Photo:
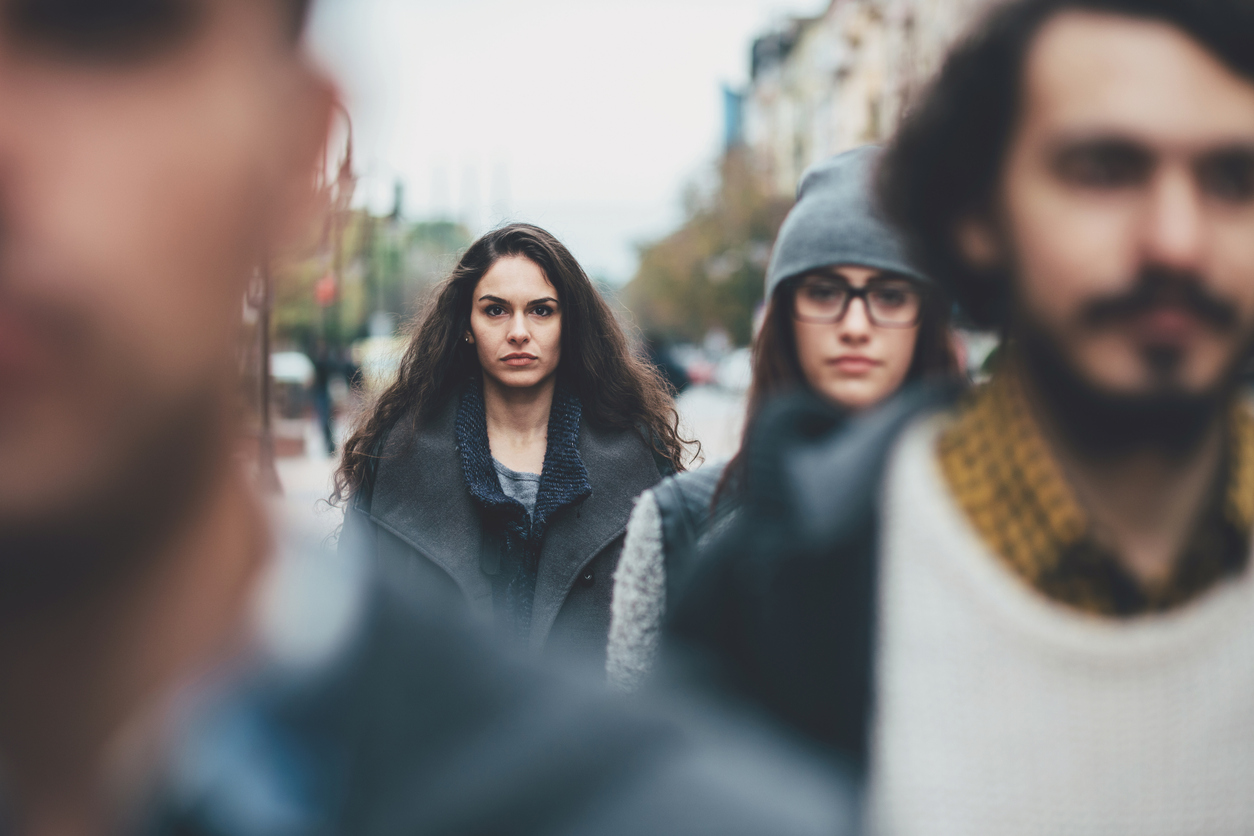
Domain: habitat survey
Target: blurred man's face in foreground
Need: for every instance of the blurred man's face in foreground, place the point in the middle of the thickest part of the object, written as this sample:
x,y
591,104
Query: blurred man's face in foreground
x,y
1127,201
150,155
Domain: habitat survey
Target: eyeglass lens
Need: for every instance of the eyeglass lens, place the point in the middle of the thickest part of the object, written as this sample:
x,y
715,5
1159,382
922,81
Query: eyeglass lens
x,y
893,302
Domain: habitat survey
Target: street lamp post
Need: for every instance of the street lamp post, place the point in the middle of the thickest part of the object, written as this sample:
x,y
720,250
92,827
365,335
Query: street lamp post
x,y
337,195
263,301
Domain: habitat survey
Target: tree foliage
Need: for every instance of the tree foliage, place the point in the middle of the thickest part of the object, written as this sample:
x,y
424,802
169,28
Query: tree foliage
x,y
380,265
710,272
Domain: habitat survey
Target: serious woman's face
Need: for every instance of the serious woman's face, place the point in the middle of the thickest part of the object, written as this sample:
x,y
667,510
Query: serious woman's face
x,y
516,324
854,362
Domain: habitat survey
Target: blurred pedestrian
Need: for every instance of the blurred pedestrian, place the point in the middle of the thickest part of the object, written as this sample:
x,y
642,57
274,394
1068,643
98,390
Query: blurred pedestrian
x,y
327,366
504,460
166,667
1033,610
849,319
661,355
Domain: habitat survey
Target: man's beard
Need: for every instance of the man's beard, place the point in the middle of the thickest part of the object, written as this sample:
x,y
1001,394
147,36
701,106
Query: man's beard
x,y
1166,419
101,535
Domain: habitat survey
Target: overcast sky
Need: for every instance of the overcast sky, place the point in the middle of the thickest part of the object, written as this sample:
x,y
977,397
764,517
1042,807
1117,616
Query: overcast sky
x,y
584,116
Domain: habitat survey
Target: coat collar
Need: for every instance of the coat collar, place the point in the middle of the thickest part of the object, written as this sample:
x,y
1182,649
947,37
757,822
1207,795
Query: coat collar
x,y
620,467
563,482
421,497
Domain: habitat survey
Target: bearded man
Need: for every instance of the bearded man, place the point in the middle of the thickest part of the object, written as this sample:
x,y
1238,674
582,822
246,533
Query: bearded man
x,y
1032,611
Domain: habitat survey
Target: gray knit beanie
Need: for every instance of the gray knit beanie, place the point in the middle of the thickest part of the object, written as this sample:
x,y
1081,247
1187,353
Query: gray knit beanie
x,y
837,221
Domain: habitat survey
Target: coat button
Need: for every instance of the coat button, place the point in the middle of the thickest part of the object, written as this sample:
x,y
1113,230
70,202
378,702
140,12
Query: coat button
x,y
587,578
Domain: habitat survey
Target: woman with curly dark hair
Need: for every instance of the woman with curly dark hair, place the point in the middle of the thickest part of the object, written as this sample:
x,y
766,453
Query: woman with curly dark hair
x,y
503,462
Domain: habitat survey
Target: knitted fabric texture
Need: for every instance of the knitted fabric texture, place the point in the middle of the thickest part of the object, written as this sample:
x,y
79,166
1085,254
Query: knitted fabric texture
x,y
1004,477
837,220
639,602
999,711
563,482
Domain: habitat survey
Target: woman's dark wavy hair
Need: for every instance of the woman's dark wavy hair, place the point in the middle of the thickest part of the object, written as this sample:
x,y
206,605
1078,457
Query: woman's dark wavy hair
x,y
946,161
777,366
618,390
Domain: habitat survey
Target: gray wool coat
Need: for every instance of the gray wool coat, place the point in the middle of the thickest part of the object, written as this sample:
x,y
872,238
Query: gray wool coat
x,y
423,528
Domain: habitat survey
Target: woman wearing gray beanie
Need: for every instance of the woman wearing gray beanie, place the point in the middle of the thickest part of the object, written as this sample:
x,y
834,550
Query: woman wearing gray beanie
x,y
833,251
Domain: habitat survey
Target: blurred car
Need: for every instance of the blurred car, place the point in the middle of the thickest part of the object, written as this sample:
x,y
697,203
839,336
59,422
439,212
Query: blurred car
x,y
293,374
379,359
696,365
291,367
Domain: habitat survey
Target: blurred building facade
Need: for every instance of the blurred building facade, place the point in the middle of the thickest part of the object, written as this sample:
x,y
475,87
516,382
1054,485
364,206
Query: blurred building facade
x,y
825,84
819,86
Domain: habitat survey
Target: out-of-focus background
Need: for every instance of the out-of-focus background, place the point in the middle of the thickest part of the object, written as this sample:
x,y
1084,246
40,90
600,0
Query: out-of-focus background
x,y
661,140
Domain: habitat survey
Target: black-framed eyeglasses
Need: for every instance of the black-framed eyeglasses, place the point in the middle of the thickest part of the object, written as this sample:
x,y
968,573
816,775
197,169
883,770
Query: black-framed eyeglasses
x,y
895,302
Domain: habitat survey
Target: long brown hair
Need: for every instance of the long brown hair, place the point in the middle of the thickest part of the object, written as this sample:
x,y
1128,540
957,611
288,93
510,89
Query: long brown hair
x,y
617,389
777,366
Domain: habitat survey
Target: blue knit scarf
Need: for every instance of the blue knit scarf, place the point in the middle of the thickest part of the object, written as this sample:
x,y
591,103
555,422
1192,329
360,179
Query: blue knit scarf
x,y
563,482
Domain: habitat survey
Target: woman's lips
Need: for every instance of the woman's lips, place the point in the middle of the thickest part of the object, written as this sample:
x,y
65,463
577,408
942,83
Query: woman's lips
x,y
855,365
519,359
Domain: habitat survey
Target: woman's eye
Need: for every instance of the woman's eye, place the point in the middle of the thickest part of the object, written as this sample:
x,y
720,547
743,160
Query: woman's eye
x,y
822,293
891,297
494,310
543,311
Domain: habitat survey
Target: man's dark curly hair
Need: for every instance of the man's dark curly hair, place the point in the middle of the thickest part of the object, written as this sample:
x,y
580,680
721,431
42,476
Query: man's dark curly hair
x,y
946,161
300,16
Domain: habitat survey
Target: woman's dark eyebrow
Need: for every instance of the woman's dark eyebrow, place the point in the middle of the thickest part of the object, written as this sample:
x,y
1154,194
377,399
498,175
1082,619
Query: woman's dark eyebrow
x,y
824,274
889,276
498,300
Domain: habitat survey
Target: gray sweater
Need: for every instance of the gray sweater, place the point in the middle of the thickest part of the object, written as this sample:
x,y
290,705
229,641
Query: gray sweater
x,y
667,530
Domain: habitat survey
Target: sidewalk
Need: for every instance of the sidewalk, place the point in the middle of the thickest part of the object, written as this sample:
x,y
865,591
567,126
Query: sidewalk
x,y
306,480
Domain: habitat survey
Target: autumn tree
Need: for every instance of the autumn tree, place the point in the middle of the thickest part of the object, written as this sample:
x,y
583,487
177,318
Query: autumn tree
x,y
710,272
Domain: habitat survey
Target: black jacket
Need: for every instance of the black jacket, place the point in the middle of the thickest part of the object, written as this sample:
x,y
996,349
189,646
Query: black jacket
x,y
780,611
426,529
685,504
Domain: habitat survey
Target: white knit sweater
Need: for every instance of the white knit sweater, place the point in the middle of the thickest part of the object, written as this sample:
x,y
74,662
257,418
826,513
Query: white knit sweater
x,y
1001,712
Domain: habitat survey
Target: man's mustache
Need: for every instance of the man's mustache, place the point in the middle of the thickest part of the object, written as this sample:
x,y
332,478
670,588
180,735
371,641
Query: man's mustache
x,y
1157,288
